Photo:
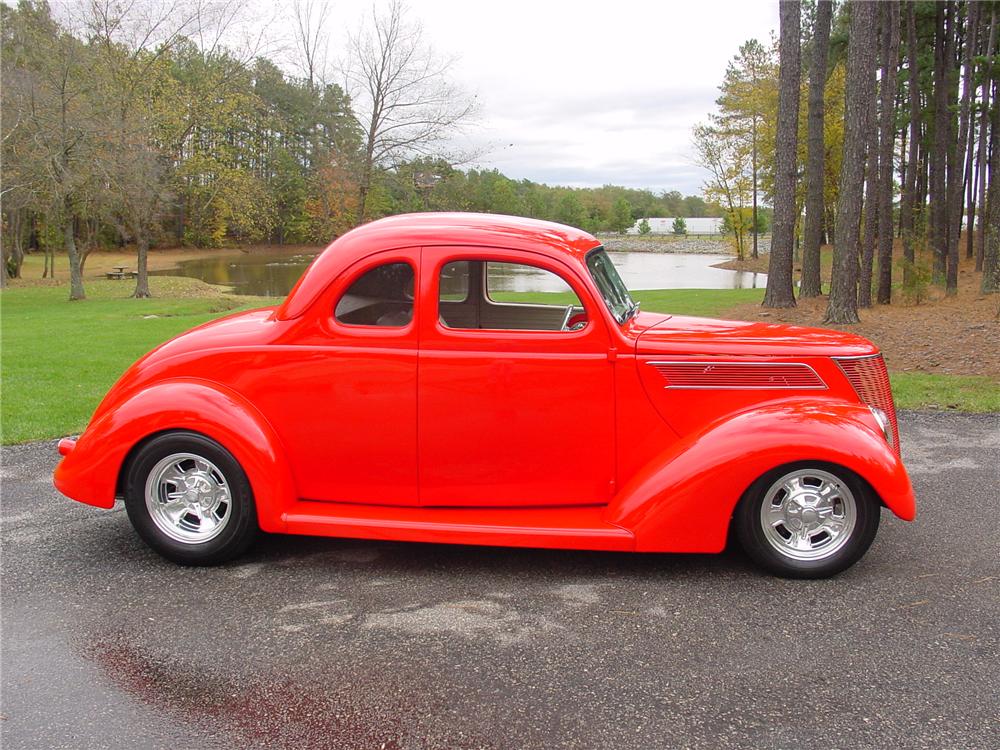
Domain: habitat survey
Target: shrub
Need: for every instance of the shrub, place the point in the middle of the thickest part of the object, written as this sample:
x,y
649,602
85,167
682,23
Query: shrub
x,y
916,280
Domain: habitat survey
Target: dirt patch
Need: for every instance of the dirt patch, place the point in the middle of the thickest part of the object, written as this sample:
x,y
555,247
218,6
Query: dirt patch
x,y
945,335
101,262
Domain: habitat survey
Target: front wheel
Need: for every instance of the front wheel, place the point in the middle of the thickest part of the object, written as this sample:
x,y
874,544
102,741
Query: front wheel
x,y
190,500
807,520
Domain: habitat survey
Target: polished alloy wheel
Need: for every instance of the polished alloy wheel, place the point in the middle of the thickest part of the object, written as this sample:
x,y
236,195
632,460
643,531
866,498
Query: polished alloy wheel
x,y
808,514
188,498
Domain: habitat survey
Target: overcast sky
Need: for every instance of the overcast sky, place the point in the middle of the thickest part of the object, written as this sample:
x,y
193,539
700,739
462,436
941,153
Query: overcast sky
x,y
586,93
578,93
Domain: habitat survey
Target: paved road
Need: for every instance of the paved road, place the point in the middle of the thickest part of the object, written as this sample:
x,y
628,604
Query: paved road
x,y
311,643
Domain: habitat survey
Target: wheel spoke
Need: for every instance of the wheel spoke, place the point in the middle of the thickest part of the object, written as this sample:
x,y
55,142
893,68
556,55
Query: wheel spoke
x,y
174,511
173,475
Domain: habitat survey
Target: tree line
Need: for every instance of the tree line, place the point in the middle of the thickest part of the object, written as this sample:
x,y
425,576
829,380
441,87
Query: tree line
x,y
864,121
136,124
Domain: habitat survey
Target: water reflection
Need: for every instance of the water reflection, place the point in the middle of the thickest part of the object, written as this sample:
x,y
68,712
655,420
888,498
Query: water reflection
x,y
264,275
272,275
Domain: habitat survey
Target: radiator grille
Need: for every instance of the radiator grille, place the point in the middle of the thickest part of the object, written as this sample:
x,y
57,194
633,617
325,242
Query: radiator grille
x,y
739,375
870,380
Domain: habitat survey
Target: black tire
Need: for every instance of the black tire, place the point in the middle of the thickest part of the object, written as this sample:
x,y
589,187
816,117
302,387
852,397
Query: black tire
x,y
767,548
239,528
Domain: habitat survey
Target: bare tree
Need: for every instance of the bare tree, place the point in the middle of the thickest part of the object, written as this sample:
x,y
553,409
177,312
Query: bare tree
x,y
132,42
145,126
887,136
811,285
312,42
725,154
51,92
403,101
779,291
860,88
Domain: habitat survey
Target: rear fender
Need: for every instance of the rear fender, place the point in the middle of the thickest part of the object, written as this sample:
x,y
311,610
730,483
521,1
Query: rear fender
x,y
683,500
90,471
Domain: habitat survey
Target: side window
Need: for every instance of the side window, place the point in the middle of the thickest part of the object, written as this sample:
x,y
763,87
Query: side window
x,y
497,295
382,296
455,281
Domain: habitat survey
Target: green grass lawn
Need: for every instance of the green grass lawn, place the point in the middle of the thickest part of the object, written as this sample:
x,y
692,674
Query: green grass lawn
x,y
59,358
920,390
698,302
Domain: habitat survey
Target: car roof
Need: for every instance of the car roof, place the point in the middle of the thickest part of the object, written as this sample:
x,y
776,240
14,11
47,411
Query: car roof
x,y
424,229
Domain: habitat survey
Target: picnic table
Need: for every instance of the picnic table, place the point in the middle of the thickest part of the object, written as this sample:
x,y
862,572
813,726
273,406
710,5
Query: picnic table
x,y
120,272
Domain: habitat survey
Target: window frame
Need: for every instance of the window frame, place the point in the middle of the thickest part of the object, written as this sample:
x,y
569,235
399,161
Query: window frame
x,y
512,257
344,284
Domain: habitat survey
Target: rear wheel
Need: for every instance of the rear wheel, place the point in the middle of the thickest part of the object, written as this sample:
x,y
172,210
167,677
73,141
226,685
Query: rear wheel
x,y
808,520
190,500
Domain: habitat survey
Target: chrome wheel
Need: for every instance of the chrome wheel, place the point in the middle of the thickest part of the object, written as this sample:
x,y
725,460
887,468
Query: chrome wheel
x,y
188,498
808,514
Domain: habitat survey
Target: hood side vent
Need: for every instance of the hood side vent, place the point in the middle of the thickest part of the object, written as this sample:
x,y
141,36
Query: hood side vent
x,y
739,375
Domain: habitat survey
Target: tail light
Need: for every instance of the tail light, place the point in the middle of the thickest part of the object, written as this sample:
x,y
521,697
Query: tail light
x,y
870,381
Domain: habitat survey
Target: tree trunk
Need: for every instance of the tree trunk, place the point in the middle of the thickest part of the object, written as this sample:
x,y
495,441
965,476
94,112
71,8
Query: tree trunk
x,y
811,283
142,265
956,166
971,178
860,88
17,251
937,181
48,262
991,255
982,156
887,135
75,266
903,144
779,291
753,169
870,223
908,199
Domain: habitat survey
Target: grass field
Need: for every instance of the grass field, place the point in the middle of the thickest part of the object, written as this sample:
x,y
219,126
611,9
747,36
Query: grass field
x,y
59,358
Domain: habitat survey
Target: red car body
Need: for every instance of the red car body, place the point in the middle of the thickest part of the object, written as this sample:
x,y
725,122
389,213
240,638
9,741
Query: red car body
x,y
642,435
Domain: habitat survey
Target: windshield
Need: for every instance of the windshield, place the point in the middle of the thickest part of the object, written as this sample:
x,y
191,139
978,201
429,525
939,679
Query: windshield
x,y
613,289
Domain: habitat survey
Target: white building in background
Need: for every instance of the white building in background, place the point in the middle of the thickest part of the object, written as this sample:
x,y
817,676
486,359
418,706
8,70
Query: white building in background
x,y
666,226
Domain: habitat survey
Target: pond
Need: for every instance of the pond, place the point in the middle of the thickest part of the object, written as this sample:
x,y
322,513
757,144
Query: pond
x,y
274,275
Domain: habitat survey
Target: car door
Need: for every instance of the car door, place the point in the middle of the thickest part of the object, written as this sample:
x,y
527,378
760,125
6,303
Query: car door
x,y
512,411
344,399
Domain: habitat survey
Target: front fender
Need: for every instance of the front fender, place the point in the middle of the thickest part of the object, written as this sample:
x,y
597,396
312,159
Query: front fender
x,y
89,472
683,500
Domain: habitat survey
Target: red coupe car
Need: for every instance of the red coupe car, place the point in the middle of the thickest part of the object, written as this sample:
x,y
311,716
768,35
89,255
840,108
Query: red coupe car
x,y
406,390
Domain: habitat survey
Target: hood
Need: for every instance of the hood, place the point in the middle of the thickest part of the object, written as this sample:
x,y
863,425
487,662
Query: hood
x,y
707,336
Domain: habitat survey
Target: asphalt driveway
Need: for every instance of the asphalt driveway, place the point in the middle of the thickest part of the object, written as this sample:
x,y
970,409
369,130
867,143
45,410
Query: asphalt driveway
x,y
315,643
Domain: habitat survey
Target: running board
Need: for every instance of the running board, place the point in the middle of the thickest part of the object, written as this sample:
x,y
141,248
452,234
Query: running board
x,y
575,527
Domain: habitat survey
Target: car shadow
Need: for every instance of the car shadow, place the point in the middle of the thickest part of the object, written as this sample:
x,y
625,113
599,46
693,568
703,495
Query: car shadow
x,y
411,557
